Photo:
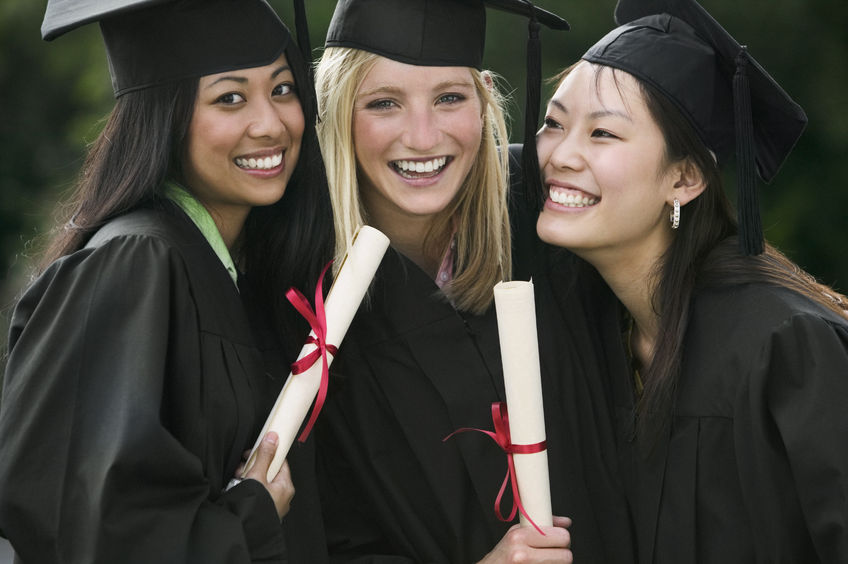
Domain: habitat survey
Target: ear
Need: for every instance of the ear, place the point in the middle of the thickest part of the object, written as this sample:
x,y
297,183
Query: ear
x,y
687,182
488,80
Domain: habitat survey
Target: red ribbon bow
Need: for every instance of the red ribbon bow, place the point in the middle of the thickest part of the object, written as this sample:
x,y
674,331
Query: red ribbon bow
x,y
318,322
501,436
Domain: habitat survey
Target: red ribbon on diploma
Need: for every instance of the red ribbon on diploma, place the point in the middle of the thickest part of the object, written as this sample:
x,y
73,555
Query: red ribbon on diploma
x,y
501,436
318,322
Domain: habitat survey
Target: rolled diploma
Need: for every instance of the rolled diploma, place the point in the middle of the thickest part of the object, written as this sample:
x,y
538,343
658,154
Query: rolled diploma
x,y
516,311
293,403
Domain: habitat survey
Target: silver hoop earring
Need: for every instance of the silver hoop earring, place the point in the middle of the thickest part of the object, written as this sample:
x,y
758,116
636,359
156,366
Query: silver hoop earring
x,y
675,214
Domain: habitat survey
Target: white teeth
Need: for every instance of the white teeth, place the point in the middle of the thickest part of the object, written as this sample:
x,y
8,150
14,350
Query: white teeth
x,y
420,167
572,200
261,163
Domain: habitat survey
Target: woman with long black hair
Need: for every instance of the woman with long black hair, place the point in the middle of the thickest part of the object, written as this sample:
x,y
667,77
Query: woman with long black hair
x,y
734,361
146,355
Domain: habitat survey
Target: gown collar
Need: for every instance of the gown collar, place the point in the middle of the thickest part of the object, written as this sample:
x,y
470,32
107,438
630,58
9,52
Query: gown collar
x,y
203,220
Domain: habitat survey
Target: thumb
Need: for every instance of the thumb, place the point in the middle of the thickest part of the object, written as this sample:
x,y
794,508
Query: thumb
x,y
264,456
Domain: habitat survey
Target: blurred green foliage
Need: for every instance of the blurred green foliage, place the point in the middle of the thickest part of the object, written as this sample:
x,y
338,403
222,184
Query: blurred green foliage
x,y
55,95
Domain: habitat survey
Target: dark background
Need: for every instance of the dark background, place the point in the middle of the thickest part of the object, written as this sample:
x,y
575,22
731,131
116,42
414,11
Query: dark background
x,y
55,95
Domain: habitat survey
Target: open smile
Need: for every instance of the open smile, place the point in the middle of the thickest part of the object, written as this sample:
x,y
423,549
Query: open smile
x,y
572,198
260,163
414,169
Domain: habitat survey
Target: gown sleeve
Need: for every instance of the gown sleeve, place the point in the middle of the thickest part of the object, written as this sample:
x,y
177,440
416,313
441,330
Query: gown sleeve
x,y
799,423
89,470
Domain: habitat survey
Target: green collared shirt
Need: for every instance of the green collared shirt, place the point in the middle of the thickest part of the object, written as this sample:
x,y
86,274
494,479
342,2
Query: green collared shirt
x,y
204,222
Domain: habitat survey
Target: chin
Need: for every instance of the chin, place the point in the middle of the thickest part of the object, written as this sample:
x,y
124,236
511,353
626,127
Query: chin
x,y
550,232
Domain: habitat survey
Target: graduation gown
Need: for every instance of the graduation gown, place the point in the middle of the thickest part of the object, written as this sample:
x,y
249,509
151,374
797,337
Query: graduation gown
x,y
755,466
134,383
411,370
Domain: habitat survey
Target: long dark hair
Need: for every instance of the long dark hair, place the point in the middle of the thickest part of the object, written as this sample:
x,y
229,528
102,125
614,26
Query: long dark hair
x,y
284,244
704,253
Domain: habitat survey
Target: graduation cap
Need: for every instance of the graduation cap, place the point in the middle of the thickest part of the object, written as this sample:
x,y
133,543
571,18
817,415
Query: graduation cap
x,y
152,42
732,102
445,33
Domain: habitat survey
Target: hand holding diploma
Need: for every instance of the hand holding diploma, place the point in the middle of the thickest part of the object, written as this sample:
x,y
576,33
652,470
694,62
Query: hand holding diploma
x,y
300,390
281,487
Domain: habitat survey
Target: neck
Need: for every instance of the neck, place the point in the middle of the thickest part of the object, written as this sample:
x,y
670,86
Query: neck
x,y
634,283
407,234
230,226
410,242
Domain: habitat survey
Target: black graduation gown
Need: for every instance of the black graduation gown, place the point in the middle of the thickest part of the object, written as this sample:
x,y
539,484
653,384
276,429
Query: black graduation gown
x,y
755,467
134,383
410,371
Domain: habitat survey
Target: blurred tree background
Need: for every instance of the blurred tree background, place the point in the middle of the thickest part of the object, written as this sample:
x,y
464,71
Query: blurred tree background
x,y
55,96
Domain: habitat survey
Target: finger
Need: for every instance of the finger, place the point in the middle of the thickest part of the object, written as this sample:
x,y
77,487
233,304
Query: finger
x,y
284,474
558,555
554,537
560,521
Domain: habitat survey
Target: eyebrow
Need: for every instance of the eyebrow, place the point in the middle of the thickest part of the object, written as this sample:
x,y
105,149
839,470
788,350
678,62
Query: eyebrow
x,y
243,80
594,115
387,89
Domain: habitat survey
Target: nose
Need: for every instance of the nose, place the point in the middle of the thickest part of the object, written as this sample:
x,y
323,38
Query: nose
x,y
422,130
266,119
563,153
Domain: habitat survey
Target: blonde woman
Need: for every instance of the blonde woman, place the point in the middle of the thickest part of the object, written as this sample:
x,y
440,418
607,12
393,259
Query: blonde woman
x,y
415,144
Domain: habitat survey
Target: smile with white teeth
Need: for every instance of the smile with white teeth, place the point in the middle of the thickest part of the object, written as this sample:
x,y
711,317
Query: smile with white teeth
x,y
571,200
419,169
260,163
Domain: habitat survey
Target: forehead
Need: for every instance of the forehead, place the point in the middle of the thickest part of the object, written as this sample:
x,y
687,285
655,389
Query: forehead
x,y
600,87
256,73
388,73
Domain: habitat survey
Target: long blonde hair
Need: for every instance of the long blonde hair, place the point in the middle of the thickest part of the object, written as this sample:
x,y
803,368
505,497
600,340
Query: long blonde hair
x,y
483,254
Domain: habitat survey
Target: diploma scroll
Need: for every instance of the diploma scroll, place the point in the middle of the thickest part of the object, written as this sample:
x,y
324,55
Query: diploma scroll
x,y
516,312
352,282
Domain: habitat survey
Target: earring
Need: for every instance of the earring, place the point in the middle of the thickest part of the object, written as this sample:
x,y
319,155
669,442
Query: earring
x,y
675,214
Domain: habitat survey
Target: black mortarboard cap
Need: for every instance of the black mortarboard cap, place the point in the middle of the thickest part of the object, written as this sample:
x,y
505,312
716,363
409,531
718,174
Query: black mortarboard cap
x,y
445,33
152,42
732,102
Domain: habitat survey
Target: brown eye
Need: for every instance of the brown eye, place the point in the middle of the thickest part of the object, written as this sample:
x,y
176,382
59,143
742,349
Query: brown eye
x,y
283,89
230,98
604,134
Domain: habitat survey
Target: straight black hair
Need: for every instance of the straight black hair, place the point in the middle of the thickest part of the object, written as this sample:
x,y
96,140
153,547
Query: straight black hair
x,y
285,244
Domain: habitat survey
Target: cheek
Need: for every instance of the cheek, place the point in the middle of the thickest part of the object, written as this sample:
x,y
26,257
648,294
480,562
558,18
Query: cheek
x,y
467,128
295,122
617,169
544,148
369,136
210,137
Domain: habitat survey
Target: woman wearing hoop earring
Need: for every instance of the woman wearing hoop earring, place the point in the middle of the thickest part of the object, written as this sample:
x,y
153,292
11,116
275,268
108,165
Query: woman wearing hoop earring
x,y
731,441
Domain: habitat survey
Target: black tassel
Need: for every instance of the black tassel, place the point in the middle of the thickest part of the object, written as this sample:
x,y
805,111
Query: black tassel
x,y
750,224
534,192
302,27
